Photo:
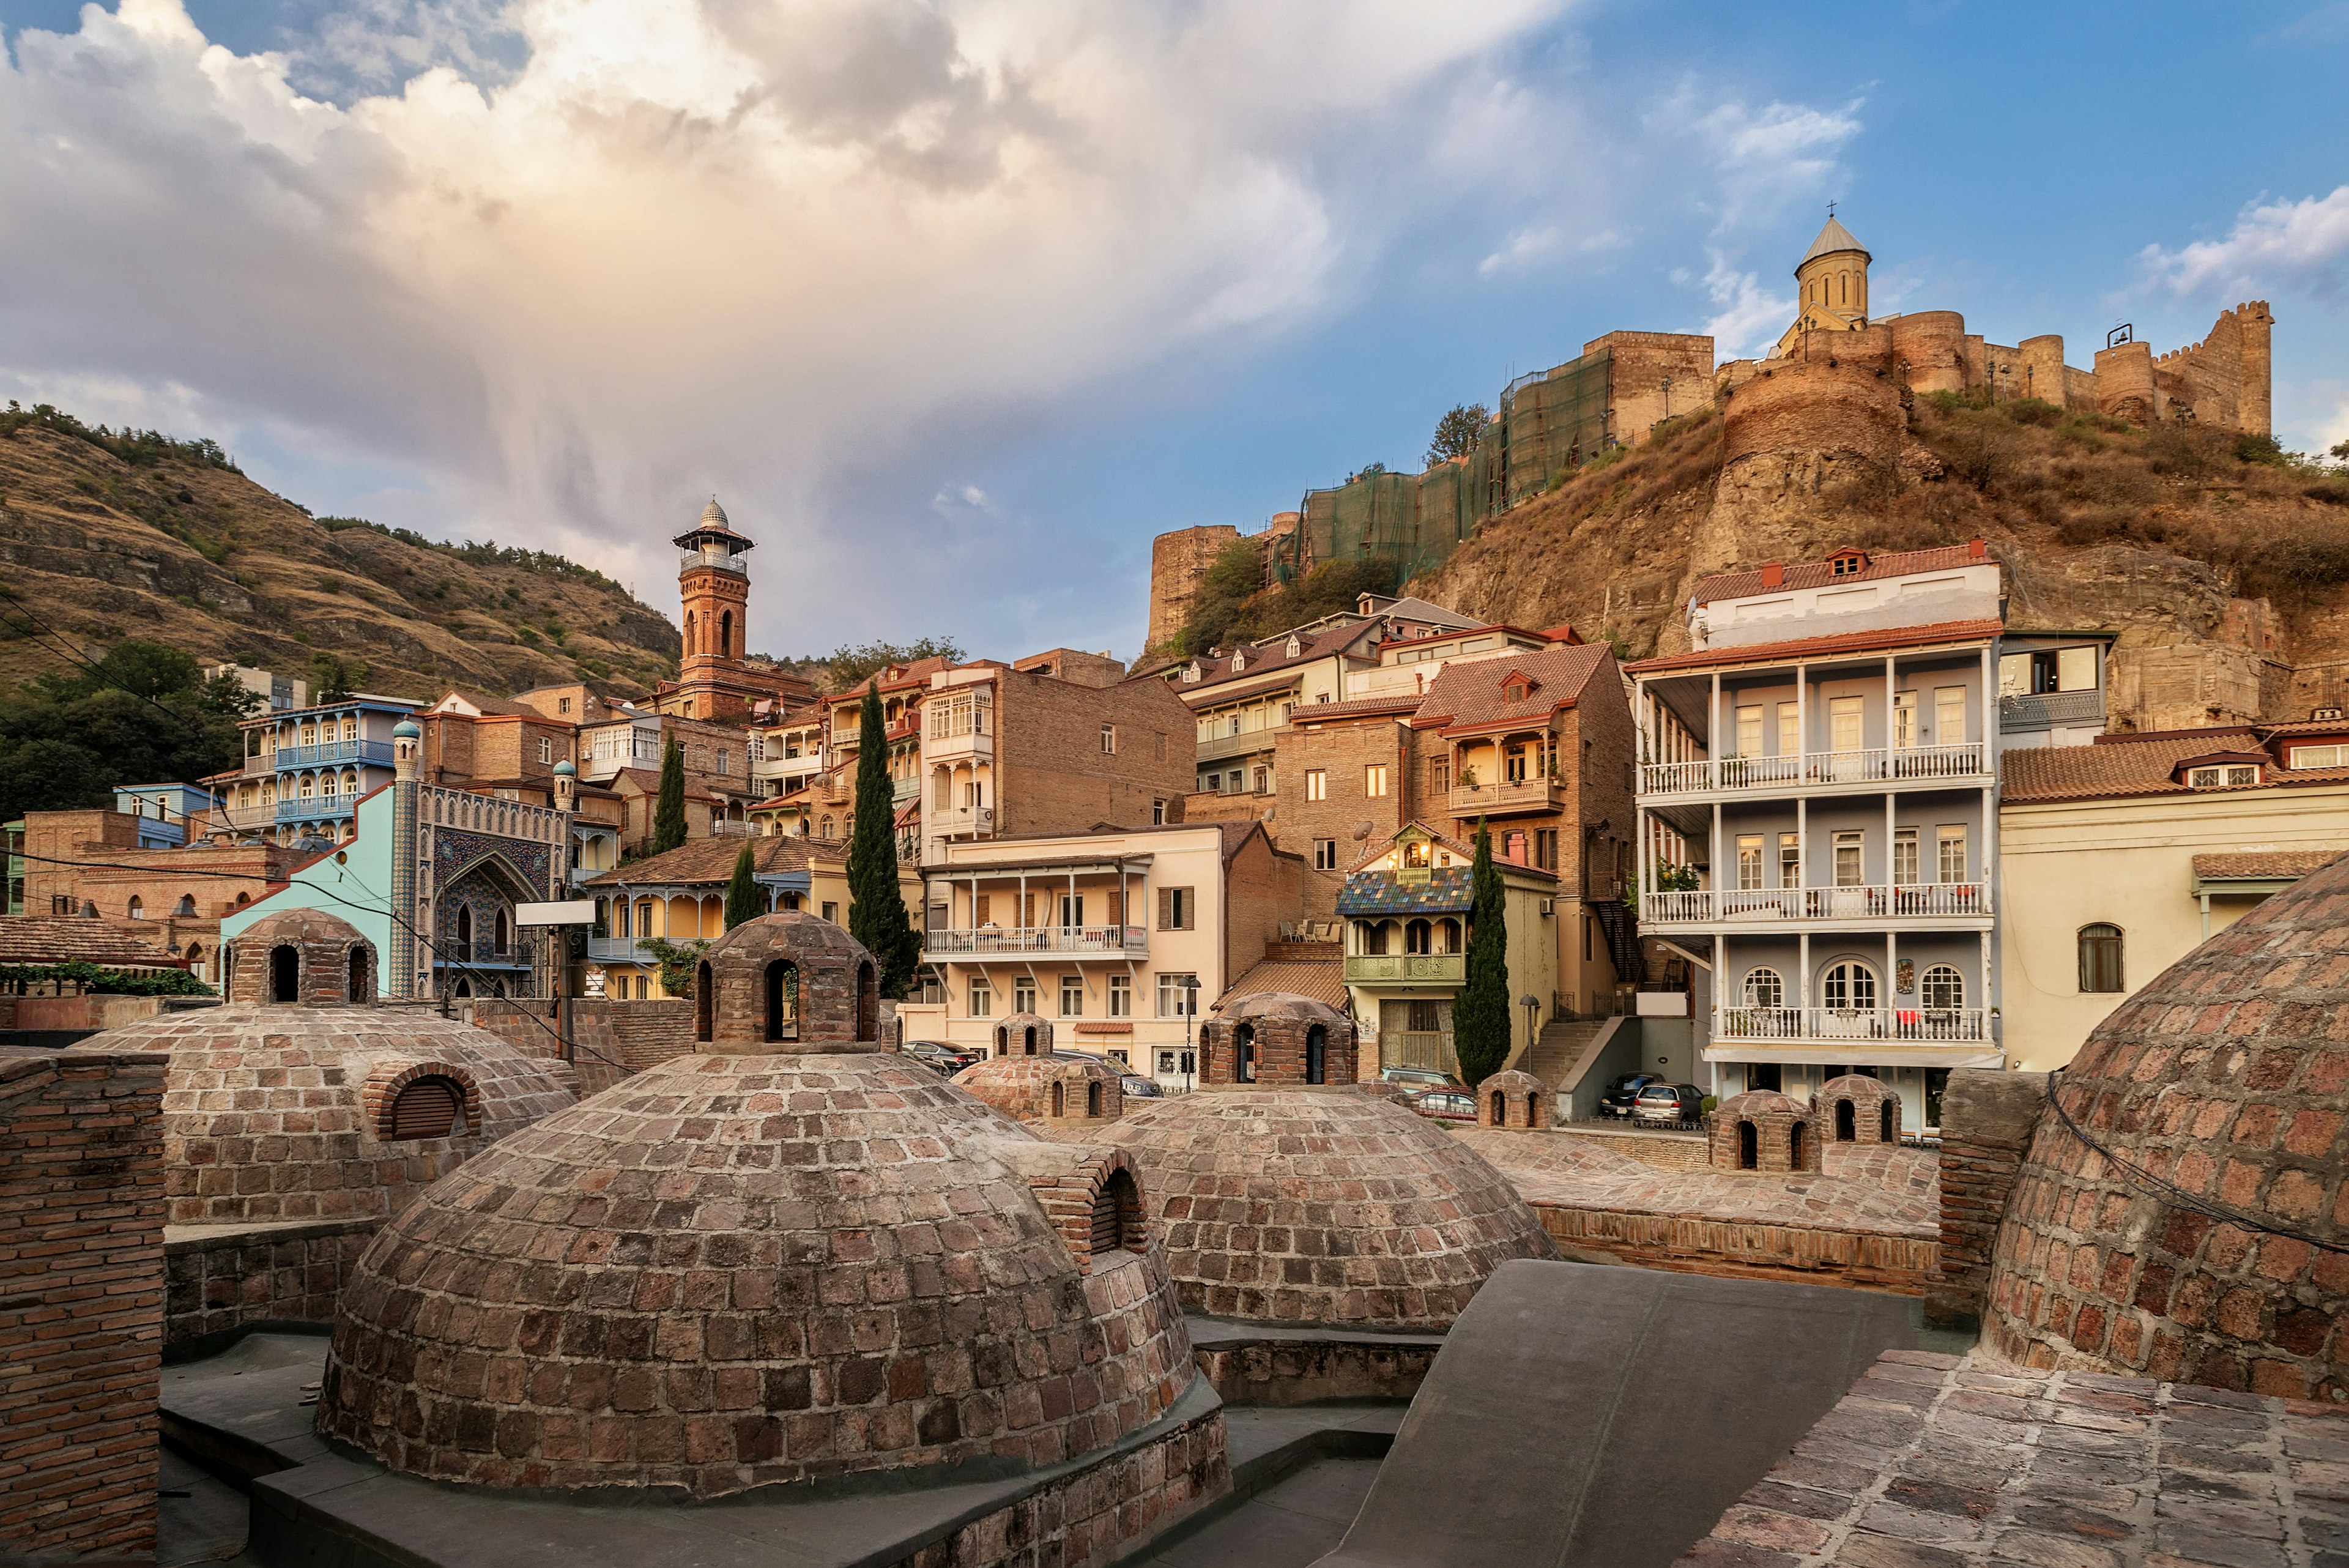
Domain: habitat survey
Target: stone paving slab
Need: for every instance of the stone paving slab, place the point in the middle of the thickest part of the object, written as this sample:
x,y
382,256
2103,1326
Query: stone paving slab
x,y
1942,1461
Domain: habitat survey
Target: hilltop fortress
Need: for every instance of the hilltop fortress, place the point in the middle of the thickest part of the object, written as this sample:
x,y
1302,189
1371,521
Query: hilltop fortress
x,y
1830,398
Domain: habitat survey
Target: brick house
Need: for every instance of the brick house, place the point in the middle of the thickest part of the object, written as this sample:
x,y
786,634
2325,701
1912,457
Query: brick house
x,y
820,801
88,862
718,756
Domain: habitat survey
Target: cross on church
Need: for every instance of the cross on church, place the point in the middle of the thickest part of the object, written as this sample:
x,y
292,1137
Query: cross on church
x,y
1831,207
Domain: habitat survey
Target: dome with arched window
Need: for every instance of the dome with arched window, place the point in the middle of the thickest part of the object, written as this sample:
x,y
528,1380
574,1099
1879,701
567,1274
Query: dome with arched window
x,y
1068,1088
1857,1108
1764,1130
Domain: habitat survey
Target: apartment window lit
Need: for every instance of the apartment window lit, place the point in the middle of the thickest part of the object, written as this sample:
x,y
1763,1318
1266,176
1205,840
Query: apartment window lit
x,y
1325,855
1949,715
1072,996
1850,868
1904,857
1317,784
1121,996
1374,780
982,998
1749,862
1749,732
1108,740
2320,757
2100,958
1790,860
1023,994
1418,854
1174,992
1950,844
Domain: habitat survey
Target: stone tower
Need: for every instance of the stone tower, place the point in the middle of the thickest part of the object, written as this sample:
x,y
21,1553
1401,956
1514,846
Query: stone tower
x,y
1832,284
716,588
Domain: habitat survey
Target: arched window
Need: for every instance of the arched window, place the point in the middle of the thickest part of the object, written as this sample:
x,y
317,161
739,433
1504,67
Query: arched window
x,y
1794,1145
137,909
1849,987
1764,987
690,645
823,828
782,1019
464,988
868,1001
196,960
1027,1037
1244,1053
89,910
427,1107
465,930
1500,1107
1884,1122
1059,1099
1317,1050
502,931
1416,936
1117,1216
1846,1129
286,972
1003,1040
1447,936
1533,1109
1748,1147
1094,1099
726,635
358,988
1945,989
1373,938
186,907
2100,958
702,1005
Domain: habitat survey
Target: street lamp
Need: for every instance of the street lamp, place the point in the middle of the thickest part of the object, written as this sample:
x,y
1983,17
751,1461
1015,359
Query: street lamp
x,y
1190,1011
1532,1004
1668,396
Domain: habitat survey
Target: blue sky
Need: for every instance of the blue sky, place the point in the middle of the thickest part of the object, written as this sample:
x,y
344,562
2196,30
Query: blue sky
x,y
957,305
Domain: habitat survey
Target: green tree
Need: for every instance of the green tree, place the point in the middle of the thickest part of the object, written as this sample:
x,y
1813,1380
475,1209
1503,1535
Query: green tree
x,y
142,714
1234,578
742,900
1458,432
668,811
334,680
877,908
1480,1018
847,665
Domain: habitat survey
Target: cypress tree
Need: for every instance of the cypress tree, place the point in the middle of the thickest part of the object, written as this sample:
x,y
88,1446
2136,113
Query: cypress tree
x,y
877,908
742,899
668,813
1480,1017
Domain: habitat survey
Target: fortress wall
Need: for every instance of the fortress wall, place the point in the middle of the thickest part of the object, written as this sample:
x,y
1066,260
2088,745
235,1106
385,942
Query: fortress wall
x,y
1842,404
2079,387
1640,362
2041,361
1177,562
1933,342
2125,387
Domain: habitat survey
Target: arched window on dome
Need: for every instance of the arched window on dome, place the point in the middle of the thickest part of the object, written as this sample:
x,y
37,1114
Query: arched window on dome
x,y
1749,1147
868,1001
1117,1223
782,998
1794,1145
427,1108
1027,1047
2100,959
1244,1053
1533,1109
285,973
1500,1108
1316,1053
1059,1099
1093,1099
1846,1124
359,990
186,907
702,1001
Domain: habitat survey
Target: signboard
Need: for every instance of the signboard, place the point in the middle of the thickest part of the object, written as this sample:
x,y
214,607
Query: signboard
x,y
569,912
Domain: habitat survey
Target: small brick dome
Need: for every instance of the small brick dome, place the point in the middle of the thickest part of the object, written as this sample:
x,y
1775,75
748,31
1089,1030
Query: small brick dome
x,y
1512,1099
1322,1205
786,983
1856,1108
1277,1037
1032,1088
741,1269
1762,1129
1022,1035
2227,1077
300,956
300,1112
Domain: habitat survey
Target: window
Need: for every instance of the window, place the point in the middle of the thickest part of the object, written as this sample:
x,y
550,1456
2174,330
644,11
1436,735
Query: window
x,y
1178,909
1023,994
1945,989
1442,774
1424,1017
545,749
1108,740
1374,780
1072,996
1317,784
1790,730
1850,870
1849,564
2320,757
428,1107
1950,843
1790,860
1764,988
1904,718
1213,784
1073,911
982,997
1325,855
832,912
1418,854
1849,987
1749,732
137,909
1749,862
1546,848
1264,780
1157,814
562,705
1159,742
1176,995
2075,668
2214,778
1844,722
1121,996
1949,715
723,766
1904,857
2100,959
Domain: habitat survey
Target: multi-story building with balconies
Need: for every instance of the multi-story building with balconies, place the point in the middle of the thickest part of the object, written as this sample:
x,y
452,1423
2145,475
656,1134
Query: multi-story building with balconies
x,y
305,769
1818,818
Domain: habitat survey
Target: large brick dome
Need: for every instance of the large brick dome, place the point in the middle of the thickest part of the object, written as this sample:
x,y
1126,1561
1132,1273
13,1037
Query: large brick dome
x,y
2227,1077
326,1111
1322,1205
746,1267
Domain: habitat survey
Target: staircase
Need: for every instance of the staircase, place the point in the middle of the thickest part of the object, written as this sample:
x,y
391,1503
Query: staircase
x,y
1561,1046
1622,938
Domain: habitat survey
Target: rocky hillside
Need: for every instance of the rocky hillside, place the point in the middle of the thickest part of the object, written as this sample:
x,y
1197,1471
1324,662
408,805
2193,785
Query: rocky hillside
x,y
2199,548
104,538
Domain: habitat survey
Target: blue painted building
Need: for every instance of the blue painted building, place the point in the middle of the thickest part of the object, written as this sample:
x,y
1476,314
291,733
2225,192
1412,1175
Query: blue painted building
x,y
168,814
305,770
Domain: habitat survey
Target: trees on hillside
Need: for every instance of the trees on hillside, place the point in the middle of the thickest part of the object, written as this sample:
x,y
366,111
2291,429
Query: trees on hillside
x,y
1458,433
877,908
1480,1017
668,808
143,713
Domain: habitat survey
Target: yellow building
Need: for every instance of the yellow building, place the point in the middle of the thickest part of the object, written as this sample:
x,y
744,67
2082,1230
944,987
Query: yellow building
x,y
2117,859
1831,282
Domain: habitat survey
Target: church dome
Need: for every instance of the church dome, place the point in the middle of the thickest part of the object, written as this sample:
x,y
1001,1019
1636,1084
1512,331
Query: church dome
x,y
750,1266
713,516
2219,1089
316,1108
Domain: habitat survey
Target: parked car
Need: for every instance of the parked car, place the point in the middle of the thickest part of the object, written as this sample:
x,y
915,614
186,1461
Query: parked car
x,y
1624,1093
1668,1105
1446,1105
948,1059
1138,1087
1420,1078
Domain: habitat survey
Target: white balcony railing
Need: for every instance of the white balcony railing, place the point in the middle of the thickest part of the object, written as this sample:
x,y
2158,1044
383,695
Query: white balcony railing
x,y
959,819
1120,941
1908,901
1901,765
1899,1026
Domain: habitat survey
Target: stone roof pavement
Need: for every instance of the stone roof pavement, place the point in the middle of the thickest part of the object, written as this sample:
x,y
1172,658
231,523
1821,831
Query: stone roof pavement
x,y
1934,1462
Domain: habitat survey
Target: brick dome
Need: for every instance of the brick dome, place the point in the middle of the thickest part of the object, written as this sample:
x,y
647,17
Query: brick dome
x,y
1763,1129
1873,1114
299,956
1022,1035
1029,1089
1322,1205
298,1112
2226,1076
786,983
1276,1037
742,1267
1514,1099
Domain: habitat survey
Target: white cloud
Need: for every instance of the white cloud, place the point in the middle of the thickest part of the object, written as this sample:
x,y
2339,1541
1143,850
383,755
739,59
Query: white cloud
x,y
1750,318
579,262
1762,159
2303,245
1521,251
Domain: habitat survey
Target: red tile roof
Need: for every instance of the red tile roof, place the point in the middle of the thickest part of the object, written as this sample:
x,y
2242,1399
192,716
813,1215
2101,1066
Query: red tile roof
x,y
65,938
1323,979
1357,708
2117,765
707,861
1820,647
1474,696
2265,865
1817,574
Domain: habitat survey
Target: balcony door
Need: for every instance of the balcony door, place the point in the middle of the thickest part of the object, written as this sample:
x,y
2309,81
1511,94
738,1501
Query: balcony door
x,y
1848,997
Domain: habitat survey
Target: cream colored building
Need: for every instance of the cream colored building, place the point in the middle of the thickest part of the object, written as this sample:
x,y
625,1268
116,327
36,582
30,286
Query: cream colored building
x,y
2117,859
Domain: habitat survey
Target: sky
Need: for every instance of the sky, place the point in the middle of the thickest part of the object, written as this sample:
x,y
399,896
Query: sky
x,y
956,304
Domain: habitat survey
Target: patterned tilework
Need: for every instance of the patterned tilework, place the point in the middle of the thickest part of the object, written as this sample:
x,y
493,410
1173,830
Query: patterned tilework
x,y
1936,1462
457,849
728,1270
1447,891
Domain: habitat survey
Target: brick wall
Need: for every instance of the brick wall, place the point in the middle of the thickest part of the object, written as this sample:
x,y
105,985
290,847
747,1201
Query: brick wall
x,y
212,875
1308,1372
1177,561
1261,888
221,1278
1639,363
1743,1249
1051,775
1987,1119
1343,752
81,1300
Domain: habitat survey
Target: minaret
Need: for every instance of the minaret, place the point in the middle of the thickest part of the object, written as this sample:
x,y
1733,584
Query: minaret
x,y
400,975
716,588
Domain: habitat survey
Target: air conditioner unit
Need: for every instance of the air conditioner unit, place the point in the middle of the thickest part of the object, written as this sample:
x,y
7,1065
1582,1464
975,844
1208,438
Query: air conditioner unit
x,y
1549,906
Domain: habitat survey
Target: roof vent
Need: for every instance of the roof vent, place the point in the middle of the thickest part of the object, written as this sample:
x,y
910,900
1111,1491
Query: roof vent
x,y
2324,714
1773,575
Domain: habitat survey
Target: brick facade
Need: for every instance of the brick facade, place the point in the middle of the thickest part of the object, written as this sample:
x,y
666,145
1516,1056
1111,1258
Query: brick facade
x,y
1276,1031
1987,1119
739,1009
1764,1130
331,964
1343,825
207,881
1178,561
1051,775
81,1301
1856,1108
1046,1088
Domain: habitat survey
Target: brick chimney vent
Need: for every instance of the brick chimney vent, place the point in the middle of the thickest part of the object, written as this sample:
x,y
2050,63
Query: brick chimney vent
x,y
1774,574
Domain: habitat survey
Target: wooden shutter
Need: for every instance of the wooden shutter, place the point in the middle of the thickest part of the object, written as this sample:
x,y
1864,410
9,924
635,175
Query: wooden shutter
x,y
986,910
427,1107
1165,909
